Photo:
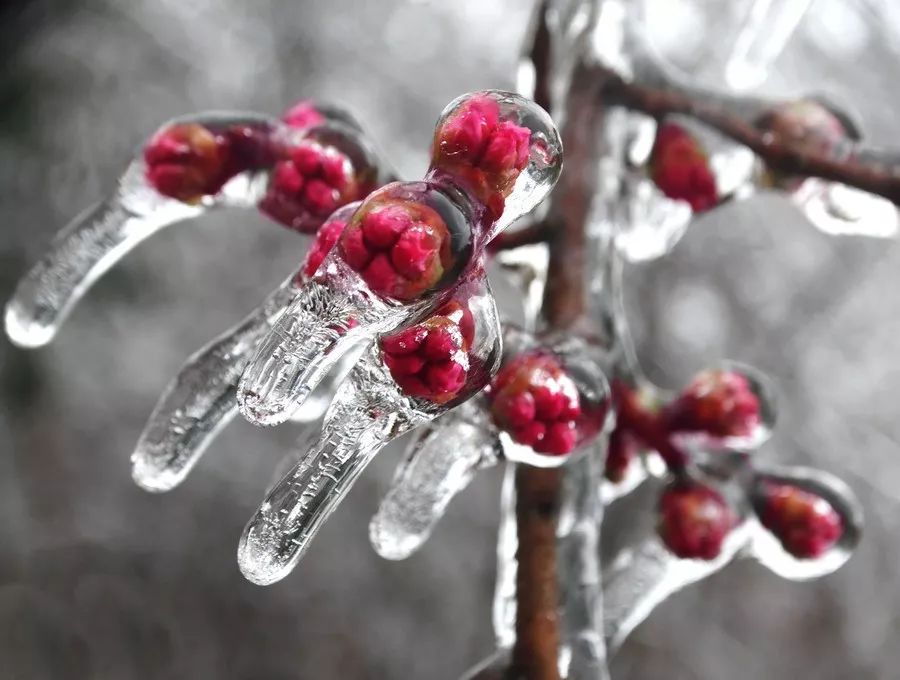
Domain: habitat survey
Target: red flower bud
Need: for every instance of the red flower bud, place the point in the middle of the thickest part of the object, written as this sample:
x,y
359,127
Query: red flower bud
x,y
186,162
308,186
401,249
428,360
466,135
806,524
720,403
303,114
694,520
537,403
680,168
326,237
485,152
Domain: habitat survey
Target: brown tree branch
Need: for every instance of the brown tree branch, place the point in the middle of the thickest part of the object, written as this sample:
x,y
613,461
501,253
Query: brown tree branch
x,y
860,171
537,232
538,491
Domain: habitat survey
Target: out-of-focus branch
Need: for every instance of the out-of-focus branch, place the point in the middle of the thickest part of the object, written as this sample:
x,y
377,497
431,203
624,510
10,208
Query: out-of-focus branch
x,y
861,170
537,232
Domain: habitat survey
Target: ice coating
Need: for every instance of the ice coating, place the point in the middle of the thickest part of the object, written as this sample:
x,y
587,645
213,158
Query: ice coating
x,y
201,399
369,410
404,247
502,149
644,572
546,405
189,166
582,652
441,460
726,407
827,516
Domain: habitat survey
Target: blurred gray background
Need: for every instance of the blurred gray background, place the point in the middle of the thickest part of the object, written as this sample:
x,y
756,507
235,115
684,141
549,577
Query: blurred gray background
x,y
101,580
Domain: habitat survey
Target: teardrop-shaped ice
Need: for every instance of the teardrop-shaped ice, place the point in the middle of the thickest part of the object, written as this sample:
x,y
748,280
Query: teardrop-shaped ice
x,y
643,572
548,405
810,521
503,149
730,407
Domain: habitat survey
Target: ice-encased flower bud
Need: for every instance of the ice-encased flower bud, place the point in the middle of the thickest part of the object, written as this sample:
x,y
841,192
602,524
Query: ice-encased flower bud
x,y
680,167
324,168
406,241
806,525
718,402
187,161
406,245
694,520
430,360
543,409
502,149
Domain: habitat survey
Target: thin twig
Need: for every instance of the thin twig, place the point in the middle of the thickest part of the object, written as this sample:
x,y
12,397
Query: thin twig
x,y
539,491
536,232
862,172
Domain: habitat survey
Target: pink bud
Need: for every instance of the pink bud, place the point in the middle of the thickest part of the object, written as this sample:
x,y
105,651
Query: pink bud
x,y
326,237
406,341
507,149
383,226
303,114
559,440
694,520
441,344
806,524
416,251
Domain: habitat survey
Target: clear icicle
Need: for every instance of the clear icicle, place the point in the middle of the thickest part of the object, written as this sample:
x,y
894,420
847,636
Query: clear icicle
x,y
326,320
766,30
441,460
200,401
455,351
82,252
643,575
98,238
582,653
356,427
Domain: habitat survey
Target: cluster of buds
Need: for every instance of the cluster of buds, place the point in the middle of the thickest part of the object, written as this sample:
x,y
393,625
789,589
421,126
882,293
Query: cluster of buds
x,y
680,167
694,518
401,248
310,176
309,185
189,161
720,404
537,404
806,525
430,360
486,152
